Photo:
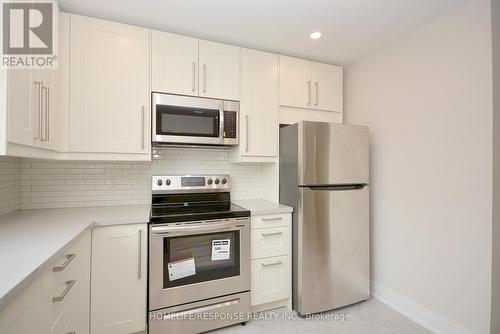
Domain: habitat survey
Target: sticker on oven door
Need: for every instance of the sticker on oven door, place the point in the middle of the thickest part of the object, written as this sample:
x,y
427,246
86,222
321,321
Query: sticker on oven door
x,y
220,249
180,269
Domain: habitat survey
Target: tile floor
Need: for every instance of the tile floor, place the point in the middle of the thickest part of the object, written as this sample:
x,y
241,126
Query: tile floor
x,y
370,317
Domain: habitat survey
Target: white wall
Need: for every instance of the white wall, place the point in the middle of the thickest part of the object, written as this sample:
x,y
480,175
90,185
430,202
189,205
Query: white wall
x,y
495,304
56,184
428,101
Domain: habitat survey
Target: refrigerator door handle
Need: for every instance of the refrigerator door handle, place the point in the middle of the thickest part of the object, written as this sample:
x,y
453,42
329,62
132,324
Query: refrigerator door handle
x,y
337,187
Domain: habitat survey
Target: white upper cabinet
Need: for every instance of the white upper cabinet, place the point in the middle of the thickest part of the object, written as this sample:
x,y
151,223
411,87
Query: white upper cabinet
x,y
218,70
258,107
174,63
188,66
326,87
31,108
109,87
23,115
310,85
295,82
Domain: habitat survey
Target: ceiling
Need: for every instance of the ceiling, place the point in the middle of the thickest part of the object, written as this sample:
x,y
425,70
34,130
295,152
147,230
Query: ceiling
x,y
351,29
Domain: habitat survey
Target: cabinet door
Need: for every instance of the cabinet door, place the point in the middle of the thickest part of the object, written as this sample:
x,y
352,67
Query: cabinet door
x,y
259,103
109,87
218,70
327,87
270,279
118,279
23,107
174,67
295,82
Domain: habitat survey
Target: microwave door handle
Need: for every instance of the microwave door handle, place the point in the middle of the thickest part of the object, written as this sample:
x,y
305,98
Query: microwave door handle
x,y
221,124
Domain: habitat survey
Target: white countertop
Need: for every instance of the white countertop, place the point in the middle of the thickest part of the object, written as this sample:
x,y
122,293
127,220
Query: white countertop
x,y
263,207
29,238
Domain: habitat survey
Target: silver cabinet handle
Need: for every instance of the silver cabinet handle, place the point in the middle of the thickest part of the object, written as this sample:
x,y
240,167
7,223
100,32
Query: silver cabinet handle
x,y
309,93
317,94
204,78
73,332
194,76
46,90
39,124
271,264
69,258
69,285
246,133
48,113
271,234
139,266
142,127
271,219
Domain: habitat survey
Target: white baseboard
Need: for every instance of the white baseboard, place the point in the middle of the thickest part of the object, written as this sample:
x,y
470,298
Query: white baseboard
x,y
415,312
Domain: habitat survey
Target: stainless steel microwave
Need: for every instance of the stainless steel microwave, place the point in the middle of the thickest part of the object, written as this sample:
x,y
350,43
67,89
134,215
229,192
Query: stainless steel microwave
x,y
180,119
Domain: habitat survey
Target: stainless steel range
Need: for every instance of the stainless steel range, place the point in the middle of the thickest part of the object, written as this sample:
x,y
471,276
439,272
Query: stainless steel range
x,y
199,255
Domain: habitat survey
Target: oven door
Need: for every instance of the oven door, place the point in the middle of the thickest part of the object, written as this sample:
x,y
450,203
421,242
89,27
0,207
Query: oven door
x,y
198,260
187,120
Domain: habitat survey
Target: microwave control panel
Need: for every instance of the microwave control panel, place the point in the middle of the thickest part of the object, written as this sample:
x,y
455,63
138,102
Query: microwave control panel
x,y
230,124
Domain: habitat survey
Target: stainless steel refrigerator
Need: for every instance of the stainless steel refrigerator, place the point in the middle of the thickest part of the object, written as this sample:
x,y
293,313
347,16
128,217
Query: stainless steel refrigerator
x,y
324,176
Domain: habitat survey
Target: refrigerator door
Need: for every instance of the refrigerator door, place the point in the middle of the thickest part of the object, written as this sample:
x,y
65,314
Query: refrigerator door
x,y
331,248
333,153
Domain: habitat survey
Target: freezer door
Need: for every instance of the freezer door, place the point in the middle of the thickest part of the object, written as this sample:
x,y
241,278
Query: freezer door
x,y
331,249
333,153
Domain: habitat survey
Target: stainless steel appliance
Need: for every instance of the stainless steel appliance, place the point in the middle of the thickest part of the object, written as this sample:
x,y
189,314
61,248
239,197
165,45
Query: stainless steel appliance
x,y
199,255
194,120
324,175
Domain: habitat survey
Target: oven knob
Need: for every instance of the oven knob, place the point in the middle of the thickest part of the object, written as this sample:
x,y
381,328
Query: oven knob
x,y
224,181
159,182
217,181
167,182
210,181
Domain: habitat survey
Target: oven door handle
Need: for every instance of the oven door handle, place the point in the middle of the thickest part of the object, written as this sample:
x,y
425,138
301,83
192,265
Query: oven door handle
x,y
192,228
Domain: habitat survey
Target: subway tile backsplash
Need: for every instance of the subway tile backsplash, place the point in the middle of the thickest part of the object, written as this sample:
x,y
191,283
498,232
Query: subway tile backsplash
x,y
57,184
9,184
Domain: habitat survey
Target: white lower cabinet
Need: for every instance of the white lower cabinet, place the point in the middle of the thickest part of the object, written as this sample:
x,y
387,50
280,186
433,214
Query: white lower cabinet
x,y
65,286
271,261
56,301
119,279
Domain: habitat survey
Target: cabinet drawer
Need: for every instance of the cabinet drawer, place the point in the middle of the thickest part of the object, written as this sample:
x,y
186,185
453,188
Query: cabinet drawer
x,y
269,242
270,279
66,285
266,221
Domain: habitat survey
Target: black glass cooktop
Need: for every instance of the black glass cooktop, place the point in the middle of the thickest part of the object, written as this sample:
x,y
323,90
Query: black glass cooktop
x,y
189,207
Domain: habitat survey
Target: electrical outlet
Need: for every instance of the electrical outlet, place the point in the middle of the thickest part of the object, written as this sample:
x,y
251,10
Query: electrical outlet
x,y
123,177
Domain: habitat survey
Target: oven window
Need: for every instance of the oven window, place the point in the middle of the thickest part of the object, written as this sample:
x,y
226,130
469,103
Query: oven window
x,y
183,121
199,258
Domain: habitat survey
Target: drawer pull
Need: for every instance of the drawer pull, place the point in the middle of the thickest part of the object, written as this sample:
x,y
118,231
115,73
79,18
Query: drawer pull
x,y
271,264
69,285
271,219
69,258
73,332
271,234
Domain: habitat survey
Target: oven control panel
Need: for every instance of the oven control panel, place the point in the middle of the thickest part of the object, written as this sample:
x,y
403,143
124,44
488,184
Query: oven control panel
x,y
190,183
